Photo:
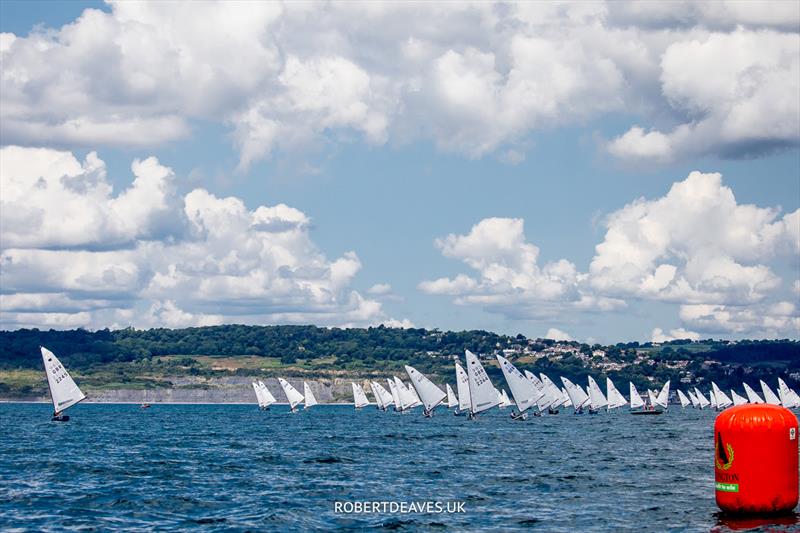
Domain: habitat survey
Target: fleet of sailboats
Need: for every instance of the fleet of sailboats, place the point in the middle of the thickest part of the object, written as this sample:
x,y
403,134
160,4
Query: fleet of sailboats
x,y
475,393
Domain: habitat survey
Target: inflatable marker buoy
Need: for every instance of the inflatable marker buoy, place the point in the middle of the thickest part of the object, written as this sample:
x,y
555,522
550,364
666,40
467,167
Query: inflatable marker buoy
x,y
755,459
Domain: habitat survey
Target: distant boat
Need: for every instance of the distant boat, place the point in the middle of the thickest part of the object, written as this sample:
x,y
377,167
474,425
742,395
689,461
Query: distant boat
x,y
576,395
292,395
637,403
63,391
722,399
359,396
662,399
769,396
522,389
597,399
382,396
554,392
545,400
310,401
712,399
737,400
693,399
452,399
482,394
568,402
426,390
269,399
702,400
398,404
462,386
615,397
789,398
408,399
683,399
144,406
263,396
751,394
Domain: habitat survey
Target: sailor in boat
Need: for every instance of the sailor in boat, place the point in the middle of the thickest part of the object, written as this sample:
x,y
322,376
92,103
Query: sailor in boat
x,y
593,411
552,411
427,414
519,416
58,417
579,410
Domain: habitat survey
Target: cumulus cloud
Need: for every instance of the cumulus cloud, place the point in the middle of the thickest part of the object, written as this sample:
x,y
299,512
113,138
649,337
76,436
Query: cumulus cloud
x,y
557,335
696,247
696,244
283,76
75,254
658,335
510,280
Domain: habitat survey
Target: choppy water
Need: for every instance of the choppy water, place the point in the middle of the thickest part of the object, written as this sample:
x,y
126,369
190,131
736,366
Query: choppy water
x,y
222,467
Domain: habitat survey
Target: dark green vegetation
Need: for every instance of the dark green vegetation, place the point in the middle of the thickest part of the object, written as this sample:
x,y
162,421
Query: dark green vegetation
x,y
132,358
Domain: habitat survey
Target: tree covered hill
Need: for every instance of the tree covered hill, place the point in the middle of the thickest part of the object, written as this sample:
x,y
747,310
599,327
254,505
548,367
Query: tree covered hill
x,y
142,358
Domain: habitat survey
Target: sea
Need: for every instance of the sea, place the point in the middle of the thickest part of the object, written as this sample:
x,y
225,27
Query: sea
x,y
236,468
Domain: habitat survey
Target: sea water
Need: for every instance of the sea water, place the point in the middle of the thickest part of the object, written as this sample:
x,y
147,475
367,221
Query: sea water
x,y
233,467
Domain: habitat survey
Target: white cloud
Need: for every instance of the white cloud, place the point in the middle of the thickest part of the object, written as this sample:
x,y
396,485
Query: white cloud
x,y
380,289
696,247
74,254
738,92
284,76
557,335
658,335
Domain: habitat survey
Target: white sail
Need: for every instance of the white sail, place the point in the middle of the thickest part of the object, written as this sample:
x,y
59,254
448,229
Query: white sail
x,y
545,400
712,399
693,398
564,394
701,399
663,396
737,400
462,386
596,396
427,391
769,396
500,403
615,397
522,389
398,403
751,394
269,399
452,399
309,396
413,392
407,398
652,397
293,396
787,395
505,401
722,399
636,399
63,390
575,393
359,396
553,391
683,399
482,395
379,399
259,397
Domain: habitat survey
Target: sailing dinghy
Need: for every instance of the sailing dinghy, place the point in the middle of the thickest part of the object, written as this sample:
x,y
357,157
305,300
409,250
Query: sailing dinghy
x,y
769,396
576,395
638,403
426,390
309,396
683,399
63,390
382,396
522,389
615,397
546,399
359,396
597,399
722,399
737,400
751,394
293,396
452,400
554,392
482,394
789,398
701,399
462,386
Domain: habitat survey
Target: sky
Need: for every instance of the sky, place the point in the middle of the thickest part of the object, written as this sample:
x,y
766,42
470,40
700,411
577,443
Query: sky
x,y
593,171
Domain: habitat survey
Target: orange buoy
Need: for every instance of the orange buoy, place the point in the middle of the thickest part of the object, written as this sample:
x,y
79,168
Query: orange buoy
x,y
755,459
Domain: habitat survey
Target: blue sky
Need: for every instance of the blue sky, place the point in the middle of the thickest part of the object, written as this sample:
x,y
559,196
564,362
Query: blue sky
x,y
387,192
